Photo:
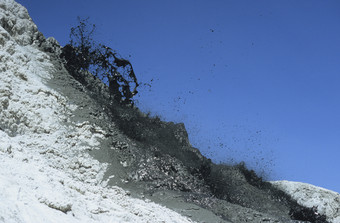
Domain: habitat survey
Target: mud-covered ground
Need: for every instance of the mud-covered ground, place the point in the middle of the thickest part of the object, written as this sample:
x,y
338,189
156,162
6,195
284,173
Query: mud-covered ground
x,y
154,160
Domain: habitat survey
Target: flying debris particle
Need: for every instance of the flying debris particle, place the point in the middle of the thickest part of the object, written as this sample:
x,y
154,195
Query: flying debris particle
x,y
212,30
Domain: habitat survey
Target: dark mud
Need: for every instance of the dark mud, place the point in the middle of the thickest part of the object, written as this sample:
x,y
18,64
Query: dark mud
x,y
154,160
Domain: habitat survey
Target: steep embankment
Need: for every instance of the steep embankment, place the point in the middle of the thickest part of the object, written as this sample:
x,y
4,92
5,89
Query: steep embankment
x,y
67,151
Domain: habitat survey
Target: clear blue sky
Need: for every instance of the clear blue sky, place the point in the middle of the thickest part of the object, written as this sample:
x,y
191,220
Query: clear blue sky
x,y
257,81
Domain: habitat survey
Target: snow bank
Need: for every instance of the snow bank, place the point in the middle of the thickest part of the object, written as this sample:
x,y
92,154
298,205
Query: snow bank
x,y
327,202
46,174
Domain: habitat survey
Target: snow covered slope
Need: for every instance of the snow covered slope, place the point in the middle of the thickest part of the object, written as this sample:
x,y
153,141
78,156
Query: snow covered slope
x,y
45,173
325,201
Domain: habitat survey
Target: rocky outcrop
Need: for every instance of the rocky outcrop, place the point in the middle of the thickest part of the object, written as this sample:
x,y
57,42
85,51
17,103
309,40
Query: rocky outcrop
x,y
17,25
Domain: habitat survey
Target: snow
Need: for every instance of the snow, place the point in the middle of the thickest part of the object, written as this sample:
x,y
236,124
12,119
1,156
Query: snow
x,y
326,201
46,174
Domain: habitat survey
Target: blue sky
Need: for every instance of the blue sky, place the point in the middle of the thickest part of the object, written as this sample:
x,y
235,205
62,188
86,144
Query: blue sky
x,y
257,81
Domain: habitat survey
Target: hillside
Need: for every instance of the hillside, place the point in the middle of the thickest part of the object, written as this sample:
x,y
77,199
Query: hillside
x,y
70,154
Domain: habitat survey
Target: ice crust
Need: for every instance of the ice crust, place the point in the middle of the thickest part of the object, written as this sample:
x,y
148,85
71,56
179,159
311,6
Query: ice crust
x,y
45,173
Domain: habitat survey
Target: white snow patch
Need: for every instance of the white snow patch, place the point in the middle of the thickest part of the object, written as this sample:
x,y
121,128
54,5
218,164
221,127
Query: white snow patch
x,y
326,201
